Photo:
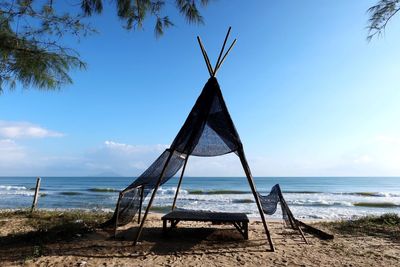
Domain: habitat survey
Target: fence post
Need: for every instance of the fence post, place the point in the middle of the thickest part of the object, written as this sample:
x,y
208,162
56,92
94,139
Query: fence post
x,y
35,198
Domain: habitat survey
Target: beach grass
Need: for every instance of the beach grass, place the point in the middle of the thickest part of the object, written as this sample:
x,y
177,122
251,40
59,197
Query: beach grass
x,y
161,209
386,226
48,226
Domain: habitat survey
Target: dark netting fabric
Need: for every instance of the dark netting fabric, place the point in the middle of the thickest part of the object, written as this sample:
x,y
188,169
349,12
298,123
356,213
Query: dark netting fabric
x,y
270,202
208,131
128,206
130,199
150,177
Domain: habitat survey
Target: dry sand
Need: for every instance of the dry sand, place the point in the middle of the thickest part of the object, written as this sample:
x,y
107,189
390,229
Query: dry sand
x,y
199,244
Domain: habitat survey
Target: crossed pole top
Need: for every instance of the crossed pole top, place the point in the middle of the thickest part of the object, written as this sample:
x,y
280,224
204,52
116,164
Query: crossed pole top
x,y
220,59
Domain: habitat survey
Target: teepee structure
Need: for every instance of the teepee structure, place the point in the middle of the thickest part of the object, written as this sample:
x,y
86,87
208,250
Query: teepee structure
x,y
207,132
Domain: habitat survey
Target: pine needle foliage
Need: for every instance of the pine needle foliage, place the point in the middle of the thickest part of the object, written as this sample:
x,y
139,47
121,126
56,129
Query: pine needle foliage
x,y
380,15
32,52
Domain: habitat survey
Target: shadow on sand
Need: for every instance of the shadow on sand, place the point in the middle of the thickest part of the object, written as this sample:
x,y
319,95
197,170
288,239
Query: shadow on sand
x,y
102,244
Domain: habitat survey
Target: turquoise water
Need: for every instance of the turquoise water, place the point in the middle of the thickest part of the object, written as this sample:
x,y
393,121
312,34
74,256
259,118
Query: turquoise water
x,y
308,197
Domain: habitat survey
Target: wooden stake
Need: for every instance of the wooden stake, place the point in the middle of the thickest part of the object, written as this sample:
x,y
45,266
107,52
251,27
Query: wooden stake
x,y
152,198
121,194
222,50
179,183
223,59
292,220
253,189
301,232
141,202
207,60
35,198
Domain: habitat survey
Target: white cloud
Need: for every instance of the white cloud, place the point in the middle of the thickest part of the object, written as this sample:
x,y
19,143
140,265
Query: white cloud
x,y
17,130
132,149
10,152
121,158
377,156
226,165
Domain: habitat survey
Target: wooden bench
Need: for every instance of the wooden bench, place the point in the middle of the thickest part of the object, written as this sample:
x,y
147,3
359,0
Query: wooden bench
x,y
239,220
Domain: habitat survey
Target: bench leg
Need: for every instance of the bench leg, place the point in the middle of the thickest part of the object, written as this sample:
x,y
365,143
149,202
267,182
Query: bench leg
x,y
174,223
246,230
164,226
242,228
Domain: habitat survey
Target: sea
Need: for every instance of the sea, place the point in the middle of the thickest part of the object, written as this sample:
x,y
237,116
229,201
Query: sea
x,y
314,198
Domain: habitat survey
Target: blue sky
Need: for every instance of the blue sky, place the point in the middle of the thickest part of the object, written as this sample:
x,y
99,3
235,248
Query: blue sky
x,y
308,94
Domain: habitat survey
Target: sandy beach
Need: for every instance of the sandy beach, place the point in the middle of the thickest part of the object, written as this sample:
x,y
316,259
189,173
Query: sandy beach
x,y
191,244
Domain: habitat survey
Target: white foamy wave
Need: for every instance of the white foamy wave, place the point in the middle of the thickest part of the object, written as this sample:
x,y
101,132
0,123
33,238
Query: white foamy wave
x,y
369,194
170,191
15,190
105,210
381,194
322,202
11,187
18,193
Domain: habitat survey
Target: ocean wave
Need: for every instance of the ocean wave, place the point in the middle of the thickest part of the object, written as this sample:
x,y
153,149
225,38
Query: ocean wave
x,y
363,194
171,191
71,193
19,193
371,194
217,192
242,201
375,194
376,204
12,187
192,199
318,203
302,192
103,190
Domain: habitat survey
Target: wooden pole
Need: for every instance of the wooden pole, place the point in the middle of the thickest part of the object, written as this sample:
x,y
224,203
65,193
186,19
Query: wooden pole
x,y
301,232
141,202
179,183
253,189
203,50
286,208
35,198
121,194
292,220
222,50
223,59
152,198
321,234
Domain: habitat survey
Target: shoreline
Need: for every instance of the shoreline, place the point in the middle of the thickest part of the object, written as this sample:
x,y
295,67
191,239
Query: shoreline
x,y
157,213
